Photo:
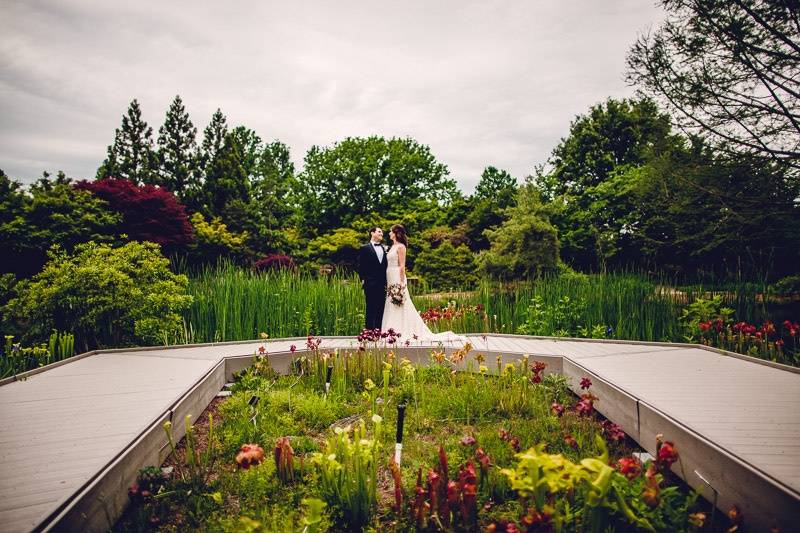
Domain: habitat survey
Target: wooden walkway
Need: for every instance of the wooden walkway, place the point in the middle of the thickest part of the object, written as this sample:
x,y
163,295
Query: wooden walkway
x,y
72,436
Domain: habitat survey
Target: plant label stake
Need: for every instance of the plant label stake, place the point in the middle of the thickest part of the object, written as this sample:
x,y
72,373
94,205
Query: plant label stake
x,y
252,403
398,447
328,379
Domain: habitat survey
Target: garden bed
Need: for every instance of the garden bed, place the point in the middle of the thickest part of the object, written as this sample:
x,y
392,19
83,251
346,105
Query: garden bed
x,y
471,442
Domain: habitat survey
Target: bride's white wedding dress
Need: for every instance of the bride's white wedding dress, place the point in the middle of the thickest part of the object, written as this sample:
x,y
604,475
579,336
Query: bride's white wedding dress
x,y
404,318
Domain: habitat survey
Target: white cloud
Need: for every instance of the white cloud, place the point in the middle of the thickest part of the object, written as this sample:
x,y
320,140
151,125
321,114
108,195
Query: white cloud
x,y
480,82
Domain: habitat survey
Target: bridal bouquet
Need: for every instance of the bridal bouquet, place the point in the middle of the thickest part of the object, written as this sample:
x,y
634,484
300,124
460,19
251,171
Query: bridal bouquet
x,y
395,293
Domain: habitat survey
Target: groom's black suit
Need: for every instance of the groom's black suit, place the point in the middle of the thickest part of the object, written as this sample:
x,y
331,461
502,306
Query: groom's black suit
x,y
373,278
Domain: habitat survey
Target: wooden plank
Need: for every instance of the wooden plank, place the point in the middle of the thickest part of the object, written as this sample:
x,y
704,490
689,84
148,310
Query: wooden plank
x,y
101,501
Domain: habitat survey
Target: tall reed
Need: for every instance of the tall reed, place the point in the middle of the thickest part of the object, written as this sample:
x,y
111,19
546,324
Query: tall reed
x,y
231,303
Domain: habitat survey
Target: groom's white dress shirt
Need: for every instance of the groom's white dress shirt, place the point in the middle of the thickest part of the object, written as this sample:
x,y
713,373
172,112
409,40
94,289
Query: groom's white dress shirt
x,y
378,251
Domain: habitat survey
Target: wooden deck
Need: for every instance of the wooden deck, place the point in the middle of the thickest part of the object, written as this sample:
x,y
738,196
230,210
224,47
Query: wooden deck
x,y
72,435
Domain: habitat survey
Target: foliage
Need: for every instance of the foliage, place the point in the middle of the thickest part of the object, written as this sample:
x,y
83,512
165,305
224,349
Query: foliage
x,y
703,310
560,493
361,176
53,212
132,155
149,213
107,296
626,191
788,285
197,466
15,358
446,266
728,69
339,247
562,319
348,472
706,321
525,244
614,133
274,262
177,151
462,431
213,240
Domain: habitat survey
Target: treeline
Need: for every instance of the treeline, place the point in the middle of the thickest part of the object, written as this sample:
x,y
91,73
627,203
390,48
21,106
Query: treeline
x,y
622,190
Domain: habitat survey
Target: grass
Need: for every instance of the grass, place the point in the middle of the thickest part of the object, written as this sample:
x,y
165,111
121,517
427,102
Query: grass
x,y
503,413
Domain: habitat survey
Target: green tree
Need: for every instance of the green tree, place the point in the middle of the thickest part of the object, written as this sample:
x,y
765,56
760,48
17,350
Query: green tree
x,y
106,296
447,266
361,176
617,132
132,156
226,189
51,213
525,244
730,70
214,136
610,136
494,182
273,206
177,150
496,192
338,247
698,211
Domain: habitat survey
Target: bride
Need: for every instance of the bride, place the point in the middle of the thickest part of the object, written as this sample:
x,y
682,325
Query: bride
x,y
404,317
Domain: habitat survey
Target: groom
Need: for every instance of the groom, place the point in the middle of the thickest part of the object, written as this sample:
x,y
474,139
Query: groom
x,y
372,271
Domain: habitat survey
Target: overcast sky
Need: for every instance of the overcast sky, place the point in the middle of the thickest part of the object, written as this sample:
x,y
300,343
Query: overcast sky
x,y
482,83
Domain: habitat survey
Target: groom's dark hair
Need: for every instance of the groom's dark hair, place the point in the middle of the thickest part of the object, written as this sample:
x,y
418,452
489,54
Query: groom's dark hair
x,y
372,229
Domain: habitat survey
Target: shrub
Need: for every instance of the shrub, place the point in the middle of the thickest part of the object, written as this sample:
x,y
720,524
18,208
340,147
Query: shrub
x,y
522,247
107,296
339,247
148,213
788,285
447,266
213,239
274,262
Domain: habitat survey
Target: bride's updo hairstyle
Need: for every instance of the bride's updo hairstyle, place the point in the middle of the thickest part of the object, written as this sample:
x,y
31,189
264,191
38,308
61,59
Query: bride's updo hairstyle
x,y
400,234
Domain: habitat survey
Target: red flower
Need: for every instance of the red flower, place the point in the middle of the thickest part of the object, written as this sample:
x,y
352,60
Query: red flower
x,y
613,431
585,405
536,520
586,383
569,440
705,326
537,368
468,440
249,454
262,350
630,467
292,348
557,409
483,460
666,455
